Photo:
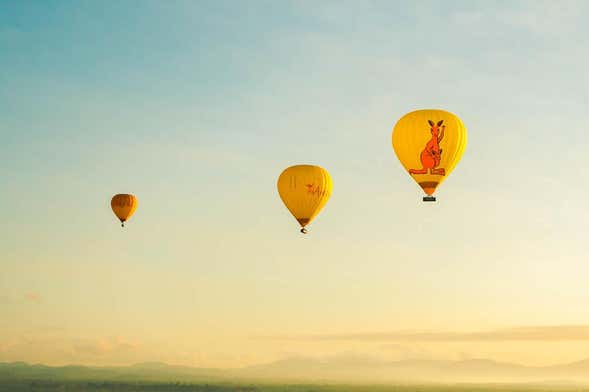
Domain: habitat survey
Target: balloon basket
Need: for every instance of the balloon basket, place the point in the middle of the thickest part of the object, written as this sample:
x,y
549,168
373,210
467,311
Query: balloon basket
x,y
429,198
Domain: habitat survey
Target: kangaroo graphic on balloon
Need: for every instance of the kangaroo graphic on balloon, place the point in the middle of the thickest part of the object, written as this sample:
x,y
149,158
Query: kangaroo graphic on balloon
x,y
432,153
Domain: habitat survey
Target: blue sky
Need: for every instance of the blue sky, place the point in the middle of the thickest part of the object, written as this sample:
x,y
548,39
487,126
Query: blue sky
x,y
196,107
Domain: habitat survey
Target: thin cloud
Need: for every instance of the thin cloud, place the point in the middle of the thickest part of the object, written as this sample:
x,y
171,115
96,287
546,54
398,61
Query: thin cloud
x,y
406,351
106,346
530,333
33,297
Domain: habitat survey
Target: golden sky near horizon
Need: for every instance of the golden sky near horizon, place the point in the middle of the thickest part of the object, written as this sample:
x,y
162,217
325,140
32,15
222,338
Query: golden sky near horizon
x,y
196,108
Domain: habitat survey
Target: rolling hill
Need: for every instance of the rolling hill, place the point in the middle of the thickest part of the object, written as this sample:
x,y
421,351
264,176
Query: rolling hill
x,y
337,369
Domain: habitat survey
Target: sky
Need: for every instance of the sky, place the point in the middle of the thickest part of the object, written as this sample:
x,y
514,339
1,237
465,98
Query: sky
x,y
197,106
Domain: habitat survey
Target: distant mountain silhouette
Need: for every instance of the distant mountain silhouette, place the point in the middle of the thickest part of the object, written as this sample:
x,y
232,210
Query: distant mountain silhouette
x,y
334,369
369,370
137,372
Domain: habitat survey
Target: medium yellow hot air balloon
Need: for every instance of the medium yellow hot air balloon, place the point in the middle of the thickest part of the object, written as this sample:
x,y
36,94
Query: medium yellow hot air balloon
x,y
429,143
123,205
304,189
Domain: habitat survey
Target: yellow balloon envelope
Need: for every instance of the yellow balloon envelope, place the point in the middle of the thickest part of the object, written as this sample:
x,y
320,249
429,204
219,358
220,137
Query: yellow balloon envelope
x,y
304,189
123,205
429,143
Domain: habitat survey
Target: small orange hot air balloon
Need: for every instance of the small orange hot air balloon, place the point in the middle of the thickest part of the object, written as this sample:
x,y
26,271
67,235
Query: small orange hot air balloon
x,y
124,206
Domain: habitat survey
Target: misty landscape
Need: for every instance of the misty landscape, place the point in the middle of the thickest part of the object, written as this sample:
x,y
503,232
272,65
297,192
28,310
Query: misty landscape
x,y
294,195
300,374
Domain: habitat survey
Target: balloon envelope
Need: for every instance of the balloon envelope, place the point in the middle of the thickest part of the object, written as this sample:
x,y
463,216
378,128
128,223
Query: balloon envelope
x,y
429,143
304,189
124,206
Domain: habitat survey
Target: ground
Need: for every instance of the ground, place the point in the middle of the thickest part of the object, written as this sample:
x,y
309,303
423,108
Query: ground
x,y
108,386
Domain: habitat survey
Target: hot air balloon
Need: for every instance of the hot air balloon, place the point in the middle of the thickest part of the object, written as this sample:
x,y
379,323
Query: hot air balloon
x,y
429,143
304,189
124,206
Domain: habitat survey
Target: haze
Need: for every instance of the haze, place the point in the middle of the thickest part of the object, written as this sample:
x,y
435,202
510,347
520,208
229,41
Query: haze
x,y
196,108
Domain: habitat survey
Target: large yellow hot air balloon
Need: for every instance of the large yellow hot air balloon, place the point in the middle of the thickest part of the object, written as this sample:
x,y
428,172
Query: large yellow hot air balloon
x,y
429,143
304,189
123,205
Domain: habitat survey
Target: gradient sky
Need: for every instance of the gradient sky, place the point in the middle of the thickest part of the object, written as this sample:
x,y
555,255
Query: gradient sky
x,y
196,107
